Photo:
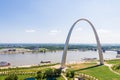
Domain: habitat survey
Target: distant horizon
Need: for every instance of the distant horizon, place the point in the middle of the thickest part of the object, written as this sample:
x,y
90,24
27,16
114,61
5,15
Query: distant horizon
x,y
69,43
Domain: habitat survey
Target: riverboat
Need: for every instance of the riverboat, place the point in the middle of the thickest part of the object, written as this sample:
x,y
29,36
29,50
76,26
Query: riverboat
x,y
4,64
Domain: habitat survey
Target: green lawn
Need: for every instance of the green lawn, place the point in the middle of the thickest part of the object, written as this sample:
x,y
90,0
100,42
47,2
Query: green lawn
x,y
60,78
30,69
92,69
114,61
100,72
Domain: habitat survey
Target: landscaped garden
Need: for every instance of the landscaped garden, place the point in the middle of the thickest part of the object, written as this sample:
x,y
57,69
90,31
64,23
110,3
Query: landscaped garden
x,y
38,72
115,65
100,72
87,71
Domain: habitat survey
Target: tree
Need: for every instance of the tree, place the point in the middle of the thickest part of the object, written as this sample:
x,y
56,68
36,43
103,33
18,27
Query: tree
x,y
57,72
40,75
70,74
49,73
12,77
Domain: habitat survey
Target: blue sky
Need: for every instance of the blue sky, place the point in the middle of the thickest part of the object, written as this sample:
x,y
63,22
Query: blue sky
x,y
48,21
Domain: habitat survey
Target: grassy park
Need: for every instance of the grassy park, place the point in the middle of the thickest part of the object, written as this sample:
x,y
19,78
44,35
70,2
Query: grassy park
x,y
100,72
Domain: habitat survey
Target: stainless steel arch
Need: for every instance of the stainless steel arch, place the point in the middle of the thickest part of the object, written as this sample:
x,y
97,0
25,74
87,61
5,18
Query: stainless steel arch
x,y
68,38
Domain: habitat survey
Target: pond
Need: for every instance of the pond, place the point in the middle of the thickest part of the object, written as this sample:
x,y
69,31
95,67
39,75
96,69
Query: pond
x,y
30,79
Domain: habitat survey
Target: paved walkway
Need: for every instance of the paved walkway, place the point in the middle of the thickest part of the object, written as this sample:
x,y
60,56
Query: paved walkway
x,y
110,65
64,76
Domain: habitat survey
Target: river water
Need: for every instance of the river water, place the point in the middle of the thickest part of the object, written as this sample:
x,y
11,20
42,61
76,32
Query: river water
x,y
54,57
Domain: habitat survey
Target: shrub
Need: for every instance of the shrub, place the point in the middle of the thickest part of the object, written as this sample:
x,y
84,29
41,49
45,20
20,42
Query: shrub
x,y
49,74
57,72
12,77
70,74
116,67
40,75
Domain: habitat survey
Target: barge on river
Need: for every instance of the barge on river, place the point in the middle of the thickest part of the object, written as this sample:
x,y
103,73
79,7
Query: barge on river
x,y
4,64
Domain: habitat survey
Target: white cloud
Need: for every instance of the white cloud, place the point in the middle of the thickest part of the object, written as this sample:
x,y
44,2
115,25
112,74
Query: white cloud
x,y
30,30
54,32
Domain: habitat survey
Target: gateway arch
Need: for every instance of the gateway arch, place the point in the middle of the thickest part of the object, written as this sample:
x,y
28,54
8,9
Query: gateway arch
x,y
63,62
